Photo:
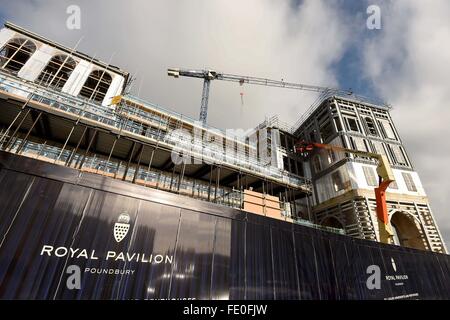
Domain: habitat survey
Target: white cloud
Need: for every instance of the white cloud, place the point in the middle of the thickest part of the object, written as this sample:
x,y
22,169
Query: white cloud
x,y
264,38
409,63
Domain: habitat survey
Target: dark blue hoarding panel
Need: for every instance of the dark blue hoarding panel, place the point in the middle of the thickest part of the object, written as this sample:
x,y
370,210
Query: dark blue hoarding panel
x,y
258,262
40,217
220,278
192,271
285,273
236,271
155,232
131,242
306,266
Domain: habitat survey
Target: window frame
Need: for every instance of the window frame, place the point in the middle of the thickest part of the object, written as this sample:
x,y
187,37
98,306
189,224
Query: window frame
x,y
317,163
337,185
409,181
19,45
94,93
371,177
383,123
348,126
366,121
64,67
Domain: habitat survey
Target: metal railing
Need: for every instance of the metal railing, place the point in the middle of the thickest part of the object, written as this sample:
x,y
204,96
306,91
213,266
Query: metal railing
x,y
108,116
275,122
148,177
116,169
320,227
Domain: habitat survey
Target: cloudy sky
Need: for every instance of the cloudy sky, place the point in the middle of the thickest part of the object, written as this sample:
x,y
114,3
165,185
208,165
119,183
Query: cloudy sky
x,y
323,42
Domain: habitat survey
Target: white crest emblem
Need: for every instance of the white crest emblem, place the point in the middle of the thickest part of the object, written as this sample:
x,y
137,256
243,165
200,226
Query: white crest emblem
x,y
121,227
394,266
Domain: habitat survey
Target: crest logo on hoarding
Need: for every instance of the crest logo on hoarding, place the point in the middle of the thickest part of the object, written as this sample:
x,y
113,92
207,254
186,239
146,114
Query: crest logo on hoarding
x,y
394,266
121,227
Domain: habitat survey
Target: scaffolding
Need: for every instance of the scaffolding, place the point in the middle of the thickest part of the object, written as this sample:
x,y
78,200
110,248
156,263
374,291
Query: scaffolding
x,y
142,130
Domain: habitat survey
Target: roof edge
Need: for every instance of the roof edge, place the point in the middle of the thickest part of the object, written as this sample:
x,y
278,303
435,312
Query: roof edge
x,y
68,50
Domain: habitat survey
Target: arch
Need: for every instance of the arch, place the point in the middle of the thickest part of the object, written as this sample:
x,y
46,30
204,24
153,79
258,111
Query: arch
x,y
407,231
96,85
57,71
332,222
15,53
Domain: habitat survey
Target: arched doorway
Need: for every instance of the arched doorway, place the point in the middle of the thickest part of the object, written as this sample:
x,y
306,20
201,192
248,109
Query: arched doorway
x,y
332,222
406,231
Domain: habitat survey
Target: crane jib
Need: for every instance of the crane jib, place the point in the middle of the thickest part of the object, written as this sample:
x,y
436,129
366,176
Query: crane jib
x,y
209,75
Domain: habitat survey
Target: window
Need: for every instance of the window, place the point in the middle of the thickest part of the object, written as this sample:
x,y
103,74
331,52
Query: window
x,y
300,172
352,124
283,140
317,163
379,148
410,185
331,156
285,163
326,131
398,154
312,136
293,168
337,122
358,144
338,184
388,130
393,185
57,71
371,177
290,144
370,126
16,53
96,85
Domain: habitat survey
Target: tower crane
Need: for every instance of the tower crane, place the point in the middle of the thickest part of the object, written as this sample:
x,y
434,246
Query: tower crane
x,y
209,75
384,171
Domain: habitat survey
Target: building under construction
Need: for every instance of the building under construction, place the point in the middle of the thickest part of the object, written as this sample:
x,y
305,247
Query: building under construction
x,y
167,207
344,183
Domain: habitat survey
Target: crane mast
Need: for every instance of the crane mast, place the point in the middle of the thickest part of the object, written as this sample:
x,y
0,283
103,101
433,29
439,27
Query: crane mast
x,y
209,75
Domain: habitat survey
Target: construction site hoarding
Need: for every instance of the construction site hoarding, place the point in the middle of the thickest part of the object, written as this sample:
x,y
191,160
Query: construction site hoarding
x,y
131,242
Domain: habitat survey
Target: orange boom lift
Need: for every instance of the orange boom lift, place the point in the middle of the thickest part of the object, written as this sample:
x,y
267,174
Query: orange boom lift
x,y
385,174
